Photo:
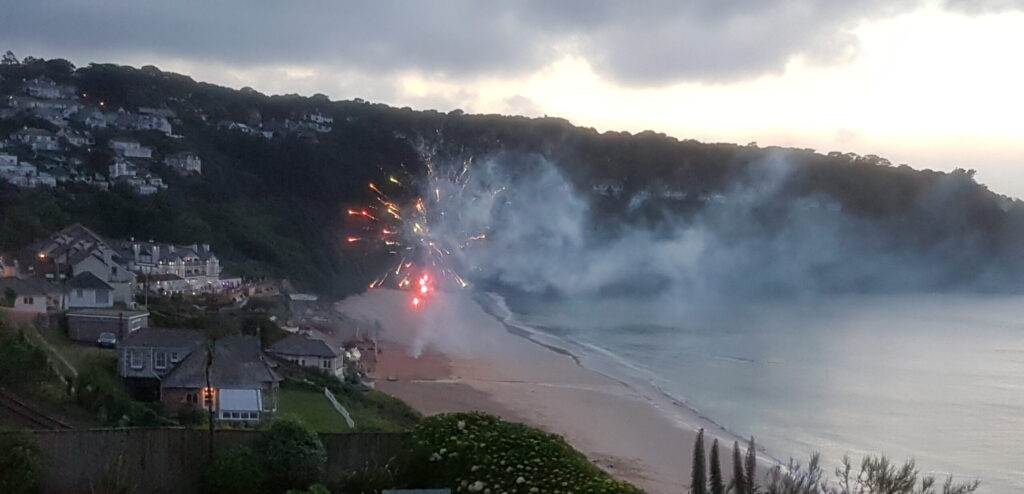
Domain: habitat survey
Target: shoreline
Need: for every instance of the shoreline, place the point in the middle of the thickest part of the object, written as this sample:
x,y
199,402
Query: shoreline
x,y
458,354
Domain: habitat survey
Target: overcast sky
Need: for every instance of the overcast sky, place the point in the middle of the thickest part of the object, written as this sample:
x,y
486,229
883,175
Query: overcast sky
x,y
935,84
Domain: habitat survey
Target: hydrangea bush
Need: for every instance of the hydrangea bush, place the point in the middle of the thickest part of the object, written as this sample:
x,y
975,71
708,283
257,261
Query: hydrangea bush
x,y
476,452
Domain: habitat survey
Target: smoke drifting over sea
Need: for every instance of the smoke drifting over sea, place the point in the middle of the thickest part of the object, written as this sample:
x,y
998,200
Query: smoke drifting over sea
x,y
752,239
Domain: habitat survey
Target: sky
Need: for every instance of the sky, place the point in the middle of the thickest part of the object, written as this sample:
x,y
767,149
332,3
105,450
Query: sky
x,y
930,83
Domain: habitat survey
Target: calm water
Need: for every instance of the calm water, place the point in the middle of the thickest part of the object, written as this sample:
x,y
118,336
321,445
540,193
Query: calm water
x,y
938,378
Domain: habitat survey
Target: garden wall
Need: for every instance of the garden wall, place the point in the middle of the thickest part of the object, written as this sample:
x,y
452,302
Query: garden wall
x,y
171,460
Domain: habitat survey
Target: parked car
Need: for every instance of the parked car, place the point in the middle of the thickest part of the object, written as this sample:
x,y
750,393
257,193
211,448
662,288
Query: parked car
x,y
107,340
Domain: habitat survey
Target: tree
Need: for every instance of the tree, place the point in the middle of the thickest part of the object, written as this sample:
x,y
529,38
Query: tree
x,y
9,58
739,480
751,467
9,297
698,476
292,455
717,484
20,462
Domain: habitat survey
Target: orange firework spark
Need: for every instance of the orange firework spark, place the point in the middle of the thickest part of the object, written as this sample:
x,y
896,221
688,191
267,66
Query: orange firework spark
x,y
414,227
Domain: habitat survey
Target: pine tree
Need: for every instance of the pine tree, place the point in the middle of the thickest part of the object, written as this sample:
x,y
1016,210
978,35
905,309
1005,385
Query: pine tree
x,y
739,481
698,476
717,485
751,467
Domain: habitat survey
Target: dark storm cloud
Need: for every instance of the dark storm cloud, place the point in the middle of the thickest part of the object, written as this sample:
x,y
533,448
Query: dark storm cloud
x,y
637,43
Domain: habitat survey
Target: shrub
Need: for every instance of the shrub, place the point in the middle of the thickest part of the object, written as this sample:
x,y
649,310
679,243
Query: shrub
x,y
234,470
877,475
291,454
98,390
479,452
19,463
21,362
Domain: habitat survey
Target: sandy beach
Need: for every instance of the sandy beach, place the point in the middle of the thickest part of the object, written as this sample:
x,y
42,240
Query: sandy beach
x,y
453,356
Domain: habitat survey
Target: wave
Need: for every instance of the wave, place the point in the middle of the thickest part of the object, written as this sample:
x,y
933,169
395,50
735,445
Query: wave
x,y
639,379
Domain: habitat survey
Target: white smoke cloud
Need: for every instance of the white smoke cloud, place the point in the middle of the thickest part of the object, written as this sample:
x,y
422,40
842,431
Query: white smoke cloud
x,y
751,240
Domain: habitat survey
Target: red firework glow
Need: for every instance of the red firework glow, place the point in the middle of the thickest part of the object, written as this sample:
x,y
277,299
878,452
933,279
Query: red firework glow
x,y
412,227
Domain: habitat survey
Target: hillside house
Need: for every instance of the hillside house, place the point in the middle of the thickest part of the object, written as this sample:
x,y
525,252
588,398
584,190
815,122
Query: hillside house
x,y
130,148
130,121
167,283
243,385
185,162
37,139
308,351
87,290
76,138
121,167
43,87
317,122
77,249
87,324
34,295
149,354
91,117
196,263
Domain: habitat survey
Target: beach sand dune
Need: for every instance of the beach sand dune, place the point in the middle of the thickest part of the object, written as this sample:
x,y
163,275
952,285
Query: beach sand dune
x,y
452,356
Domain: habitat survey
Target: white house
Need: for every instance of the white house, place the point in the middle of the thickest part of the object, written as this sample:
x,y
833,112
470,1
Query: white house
x,y
307,351
76,138
37,139
33,295
86,290
195,263
43,87
121,168
83,251
92,118
130,148
185,162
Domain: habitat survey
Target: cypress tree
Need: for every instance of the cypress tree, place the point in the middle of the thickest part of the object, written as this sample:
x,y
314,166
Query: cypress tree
x,y
698,476
715,476
739,481
751,467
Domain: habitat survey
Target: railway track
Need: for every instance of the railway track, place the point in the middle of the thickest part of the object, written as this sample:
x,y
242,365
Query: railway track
x,y
17,411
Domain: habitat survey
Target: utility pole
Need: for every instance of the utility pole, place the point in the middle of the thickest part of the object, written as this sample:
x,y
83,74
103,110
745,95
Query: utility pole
x,y
208,392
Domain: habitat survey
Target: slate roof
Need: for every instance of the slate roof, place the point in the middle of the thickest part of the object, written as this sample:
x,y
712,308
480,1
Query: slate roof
x,y
237,363
303,345
88,280
164,338
28,286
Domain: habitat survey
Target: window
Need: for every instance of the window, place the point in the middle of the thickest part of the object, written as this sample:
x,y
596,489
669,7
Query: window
x,y
191,399
79,293
208,397
160,360
27,300
102,296
136,359
174,357
327,363
302,361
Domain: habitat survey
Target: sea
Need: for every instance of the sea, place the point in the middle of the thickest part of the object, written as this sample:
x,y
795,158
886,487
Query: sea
x,y
938,378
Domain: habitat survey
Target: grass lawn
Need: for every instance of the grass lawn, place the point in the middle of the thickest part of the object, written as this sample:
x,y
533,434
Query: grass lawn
x,y
372,411
312,408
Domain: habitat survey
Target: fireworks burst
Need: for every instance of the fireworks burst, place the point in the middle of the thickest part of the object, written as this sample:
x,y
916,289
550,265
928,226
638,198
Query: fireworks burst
x,y
417,222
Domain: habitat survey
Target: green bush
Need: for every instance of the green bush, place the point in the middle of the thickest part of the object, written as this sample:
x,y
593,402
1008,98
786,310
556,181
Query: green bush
x,y
98,390
291,454
19,463
234,470
21,362
479,452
